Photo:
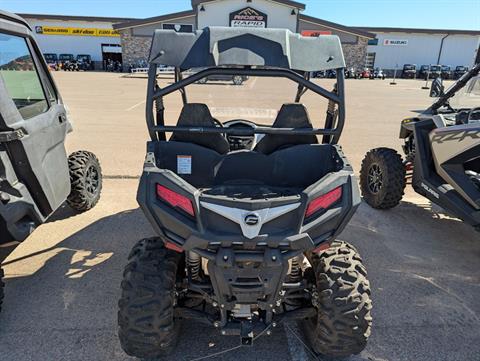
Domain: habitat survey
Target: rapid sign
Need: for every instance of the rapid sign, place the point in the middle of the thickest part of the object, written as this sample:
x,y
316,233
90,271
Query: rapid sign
x,y
248,18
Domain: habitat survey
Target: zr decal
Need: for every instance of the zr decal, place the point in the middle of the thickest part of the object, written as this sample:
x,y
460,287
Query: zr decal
x,y
452,136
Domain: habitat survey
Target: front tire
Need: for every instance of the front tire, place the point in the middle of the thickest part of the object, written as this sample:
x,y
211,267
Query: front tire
x,y
382,178
343,323
147,328
85,180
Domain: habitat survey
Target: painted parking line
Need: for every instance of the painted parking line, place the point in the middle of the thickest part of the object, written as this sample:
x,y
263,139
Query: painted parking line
x,y
135,106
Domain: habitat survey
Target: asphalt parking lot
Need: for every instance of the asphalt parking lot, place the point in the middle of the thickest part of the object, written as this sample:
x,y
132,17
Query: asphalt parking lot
x,y
63,282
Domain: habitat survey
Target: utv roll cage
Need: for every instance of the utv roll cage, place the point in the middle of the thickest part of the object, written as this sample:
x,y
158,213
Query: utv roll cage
x,y
246,52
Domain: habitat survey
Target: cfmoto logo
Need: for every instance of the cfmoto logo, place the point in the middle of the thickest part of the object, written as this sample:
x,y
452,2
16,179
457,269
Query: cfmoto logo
x,y
252,219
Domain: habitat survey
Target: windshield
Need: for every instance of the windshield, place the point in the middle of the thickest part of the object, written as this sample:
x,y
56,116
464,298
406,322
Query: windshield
x,y
66,57
50,57
409,67
468,97
445,68
83,57
424,67
461,68
435,68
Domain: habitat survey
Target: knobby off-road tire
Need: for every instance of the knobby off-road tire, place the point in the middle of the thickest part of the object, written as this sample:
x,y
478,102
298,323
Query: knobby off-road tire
x,y
382,178
146,308
85,180
237,80
2,285
343,324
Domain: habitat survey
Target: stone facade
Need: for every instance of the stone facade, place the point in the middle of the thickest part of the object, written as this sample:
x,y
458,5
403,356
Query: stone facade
x,y
135,49
356,54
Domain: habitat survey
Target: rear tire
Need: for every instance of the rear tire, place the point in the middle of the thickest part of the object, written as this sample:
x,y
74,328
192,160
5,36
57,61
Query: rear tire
x,y
85,180
343,324
147,328
382,178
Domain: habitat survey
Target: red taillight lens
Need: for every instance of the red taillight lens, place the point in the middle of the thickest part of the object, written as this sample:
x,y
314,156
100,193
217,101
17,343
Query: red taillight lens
x,y
175,200
323,202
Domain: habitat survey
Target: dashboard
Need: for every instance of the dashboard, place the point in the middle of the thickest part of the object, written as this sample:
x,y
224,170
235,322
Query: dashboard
x,y
240,142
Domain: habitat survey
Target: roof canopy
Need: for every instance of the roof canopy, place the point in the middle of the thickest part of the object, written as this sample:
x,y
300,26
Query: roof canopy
x,y
223,46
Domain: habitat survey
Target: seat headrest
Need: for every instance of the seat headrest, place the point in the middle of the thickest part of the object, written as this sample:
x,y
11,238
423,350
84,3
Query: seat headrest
x,y
291,115
198,115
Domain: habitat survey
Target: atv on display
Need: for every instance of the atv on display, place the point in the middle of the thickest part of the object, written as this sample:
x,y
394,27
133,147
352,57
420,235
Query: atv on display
x,y
246,214
36,175
446,72
52,60
67,62
409,71
84,62
442,155
459,71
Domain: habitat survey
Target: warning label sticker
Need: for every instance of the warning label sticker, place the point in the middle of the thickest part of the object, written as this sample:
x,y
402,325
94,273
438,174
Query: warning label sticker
x,y
184,164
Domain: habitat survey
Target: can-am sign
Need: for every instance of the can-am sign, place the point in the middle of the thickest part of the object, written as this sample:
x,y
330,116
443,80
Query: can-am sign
x,y
388,42
248,18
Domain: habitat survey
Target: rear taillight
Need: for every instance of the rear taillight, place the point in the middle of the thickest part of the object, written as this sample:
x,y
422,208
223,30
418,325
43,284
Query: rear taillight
x,y
323,202
175,200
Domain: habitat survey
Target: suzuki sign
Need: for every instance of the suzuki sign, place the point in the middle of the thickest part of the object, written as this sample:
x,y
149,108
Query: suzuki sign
x,y
388,42
248,18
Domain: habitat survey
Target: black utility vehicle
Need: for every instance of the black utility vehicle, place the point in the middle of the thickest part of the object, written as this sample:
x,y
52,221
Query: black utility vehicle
x,y
246,214
460,71
435,71
84,62
67,62
446,72
409,71
36,175
423,72
442,155
52,60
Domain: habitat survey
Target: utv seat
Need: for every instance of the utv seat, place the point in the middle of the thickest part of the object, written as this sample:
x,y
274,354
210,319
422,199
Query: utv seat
x,y
292,115
198,115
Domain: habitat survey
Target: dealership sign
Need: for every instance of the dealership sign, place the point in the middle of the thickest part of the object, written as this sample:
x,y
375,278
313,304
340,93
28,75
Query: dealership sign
x,y
248,18
388,42
62,30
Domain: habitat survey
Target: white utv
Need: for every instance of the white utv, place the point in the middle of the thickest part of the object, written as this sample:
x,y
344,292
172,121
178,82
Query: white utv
x,y
36,174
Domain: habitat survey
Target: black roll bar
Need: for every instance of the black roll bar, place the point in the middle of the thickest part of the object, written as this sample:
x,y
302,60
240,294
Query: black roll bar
x,y
154,93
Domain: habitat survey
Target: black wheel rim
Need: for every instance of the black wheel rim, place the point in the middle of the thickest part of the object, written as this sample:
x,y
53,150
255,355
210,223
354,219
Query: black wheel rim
x,y
92,181
375,178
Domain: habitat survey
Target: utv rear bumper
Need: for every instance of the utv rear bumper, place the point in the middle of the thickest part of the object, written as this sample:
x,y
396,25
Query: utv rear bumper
x,y
209,230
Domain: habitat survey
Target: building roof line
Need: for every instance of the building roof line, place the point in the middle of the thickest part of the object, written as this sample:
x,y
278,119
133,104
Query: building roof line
x,y
74,17
294,4
346,29
153,20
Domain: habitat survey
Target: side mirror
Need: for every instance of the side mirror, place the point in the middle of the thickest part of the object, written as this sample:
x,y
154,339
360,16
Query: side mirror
x,y
438,88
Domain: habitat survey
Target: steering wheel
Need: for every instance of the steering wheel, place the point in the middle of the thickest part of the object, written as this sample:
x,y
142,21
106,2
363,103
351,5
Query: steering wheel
x,y
473,111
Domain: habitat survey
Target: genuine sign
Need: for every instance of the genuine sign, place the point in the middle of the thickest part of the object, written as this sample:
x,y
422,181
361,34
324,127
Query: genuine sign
x,y
248,18
62,30
389,42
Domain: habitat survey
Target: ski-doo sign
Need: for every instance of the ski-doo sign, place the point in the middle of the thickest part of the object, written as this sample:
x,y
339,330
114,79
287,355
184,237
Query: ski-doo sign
x,y
248,18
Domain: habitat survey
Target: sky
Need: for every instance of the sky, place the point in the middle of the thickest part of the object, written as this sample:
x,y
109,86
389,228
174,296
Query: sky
x,y
439,14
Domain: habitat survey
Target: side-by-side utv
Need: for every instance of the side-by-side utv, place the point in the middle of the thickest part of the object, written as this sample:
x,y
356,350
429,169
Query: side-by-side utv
x,y
246,215
442,155
36,175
